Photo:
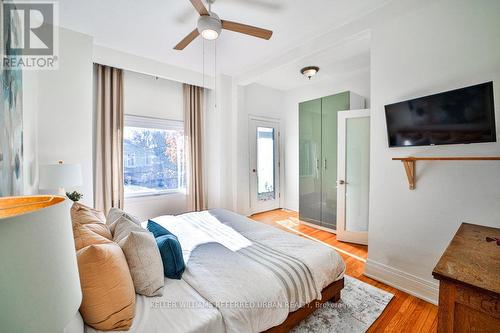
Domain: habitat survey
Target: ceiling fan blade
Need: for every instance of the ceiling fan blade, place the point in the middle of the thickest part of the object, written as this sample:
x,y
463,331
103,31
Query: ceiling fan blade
x,y
247,29
188,39
200,7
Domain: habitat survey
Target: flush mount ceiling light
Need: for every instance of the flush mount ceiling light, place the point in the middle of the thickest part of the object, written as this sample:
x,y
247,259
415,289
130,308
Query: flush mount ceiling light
x,y
309,71
209,26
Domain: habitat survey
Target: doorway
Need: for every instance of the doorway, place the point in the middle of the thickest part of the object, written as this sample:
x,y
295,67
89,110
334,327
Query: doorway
x,y
353,176
264,139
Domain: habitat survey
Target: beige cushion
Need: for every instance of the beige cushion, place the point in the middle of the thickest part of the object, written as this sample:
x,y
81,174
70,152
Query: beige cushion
x,y
108,301
85,212
91,218
144,262
85,236
114,214
100,229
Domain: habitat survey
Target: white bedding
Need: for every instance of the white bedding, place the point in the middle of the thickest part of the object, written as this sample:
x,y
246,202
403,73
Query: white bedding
x,y
241,276
325,264
180,309
253,273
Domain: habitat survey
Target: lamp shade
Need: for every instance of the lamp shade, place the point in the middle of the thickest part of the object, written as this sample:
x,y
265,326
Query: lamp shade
x,y
39,282
53,176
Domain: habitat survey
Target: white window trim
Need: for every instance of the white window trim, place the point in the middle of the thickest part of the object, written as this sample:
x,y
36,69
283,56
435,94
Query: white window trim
x,y
155,193
154,123
150,122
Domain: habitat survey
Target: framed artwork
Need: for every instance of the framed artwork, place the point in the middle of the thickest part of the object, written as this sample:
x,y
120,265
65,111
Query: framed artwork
x,y
11,118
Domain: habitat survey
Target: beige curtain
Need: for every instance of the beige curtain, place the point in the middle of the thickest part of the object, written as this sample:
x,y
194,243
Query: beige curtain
x,y
193,133
108,185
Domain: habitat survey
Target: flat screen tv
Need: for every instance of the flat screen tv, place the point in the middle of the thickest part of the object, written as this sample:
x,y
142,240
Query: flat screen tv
x,y
465,115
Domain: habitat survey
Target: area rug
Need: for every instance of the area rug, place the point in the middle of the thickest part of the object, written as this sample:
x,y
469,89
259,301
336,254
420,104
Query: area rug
x,y
360,305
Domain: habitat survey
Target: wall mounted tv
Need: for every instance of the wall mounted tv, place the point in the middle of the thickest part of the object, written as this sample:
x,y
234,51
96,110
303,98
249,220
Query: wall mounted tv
x,y
465,115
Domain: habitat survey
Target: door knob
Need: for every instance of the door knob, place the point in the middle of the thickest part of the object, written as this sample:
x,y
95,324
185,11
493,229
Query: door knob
x,y
342,182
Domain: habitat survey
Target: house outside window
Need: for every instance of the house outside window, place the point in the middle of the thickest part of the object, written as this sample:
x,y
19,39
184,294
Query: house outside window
x,y
129,159
154,159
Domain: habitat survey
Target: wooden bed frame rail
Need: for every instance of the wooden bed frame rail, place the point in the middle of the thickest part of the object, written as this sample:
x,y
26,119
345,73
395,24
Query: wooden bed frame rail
x,y
330,293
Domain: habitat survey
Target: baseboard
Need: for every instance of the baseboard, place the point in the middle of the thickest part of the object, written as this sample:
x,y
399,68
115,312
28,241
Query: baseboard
x,y
411,284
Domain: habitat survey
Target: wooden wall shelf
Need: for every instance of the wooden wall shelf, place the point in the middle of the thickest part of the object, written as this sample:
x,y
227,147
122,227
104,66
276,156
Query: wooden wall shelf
x,y
410,162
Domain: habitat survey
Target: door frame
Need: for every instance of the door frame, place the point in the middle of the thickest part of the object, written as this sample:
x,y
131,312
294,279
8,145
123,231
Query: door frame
x,y
342,234
252,150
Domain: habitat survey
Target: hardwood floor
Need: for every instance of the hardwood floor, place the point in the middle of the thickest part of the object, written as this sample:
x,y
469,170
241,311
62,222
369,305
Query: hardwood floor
x,y
405,313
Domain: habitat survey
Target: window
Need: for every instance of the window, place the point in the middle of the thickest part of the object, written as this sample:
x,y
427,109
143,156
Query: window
x,y
265,163
154,161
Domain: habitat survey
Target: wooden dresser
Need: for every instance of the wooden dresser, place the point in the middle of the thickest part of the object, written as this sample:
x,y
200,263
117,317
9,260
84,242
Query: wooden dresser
x,y
469,281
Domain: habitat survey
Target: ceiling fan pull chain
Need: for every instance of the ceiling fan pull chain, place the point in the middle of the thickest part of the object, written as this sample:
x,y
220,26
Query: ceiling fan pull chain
x,y
215,72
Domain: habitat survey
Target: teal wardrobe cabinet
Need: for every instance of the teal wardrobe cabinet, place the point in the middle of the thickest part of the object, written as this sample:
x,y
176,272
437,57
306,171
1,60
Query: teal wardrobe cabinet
x,y
318,157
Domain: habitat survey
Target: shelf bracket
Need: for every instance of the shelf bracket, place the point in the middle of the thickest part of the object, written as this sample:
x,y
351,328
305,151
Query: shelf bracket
x,y
410,162
409,165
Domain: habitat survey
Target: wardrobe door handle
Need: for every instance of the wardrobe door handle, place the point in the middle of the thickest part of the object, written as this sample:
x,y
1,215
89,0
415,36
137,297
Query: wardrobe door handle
x,y
325,164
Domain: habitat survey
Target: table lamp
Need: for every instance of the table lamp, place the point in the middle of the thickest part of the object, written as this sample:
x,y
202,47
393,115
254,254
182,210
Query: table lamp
x,y
60,176
39,282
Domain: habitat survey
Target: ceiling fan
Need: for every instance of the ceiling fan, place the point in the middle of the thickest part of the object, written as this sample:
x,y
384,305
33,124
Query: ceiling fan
x,y
267,5
210,26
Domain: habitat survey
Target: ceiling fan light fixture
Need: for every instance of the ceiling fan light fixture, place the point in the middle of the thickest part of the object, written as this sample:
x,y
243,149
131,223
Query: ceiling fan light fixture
x,y
309,71
210,34
209,26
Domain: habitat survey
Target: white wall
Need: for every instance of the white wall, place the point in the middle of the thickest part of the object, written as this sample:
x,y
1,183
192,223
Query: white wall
x,y
445,45
213,151
110,57
359,84
220,131
254,100
148,96
64,108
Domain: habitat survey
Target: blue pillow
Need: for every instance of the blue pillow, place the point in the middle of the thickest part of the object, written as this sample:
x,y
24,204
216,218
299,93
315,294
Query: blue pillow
x,y
170,251
157,229
171,256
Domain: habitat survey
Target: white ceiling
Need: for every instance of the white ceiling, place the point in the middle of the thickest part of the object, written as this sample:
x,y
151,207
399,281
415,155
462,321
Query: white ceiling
x,y
150,28
335,62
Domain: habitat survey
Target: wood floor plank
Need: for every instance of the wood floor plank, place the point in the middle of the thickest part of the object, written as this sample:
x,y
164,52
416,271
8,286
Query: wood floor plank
x,y
418,322
405,313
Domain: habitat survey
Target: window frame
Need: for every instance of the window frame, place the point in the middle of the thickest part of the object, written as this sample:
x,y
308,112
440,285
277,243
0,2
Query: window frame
x,y
152,123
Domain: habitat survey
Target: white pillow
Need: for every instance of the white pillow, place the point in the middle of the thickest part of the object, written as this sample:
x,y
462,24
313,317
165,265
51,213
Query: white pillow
x,y
142,254
115,213
123,226
144,262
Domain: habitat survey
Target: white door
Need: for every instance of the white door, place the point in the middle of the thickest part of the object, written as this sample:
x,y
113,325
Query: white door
x,y
353,176
264,165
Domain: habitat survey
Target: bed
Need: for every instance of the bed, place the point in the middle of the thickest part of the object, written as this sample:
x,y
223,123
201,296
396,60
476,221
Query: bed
x,y
241,276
